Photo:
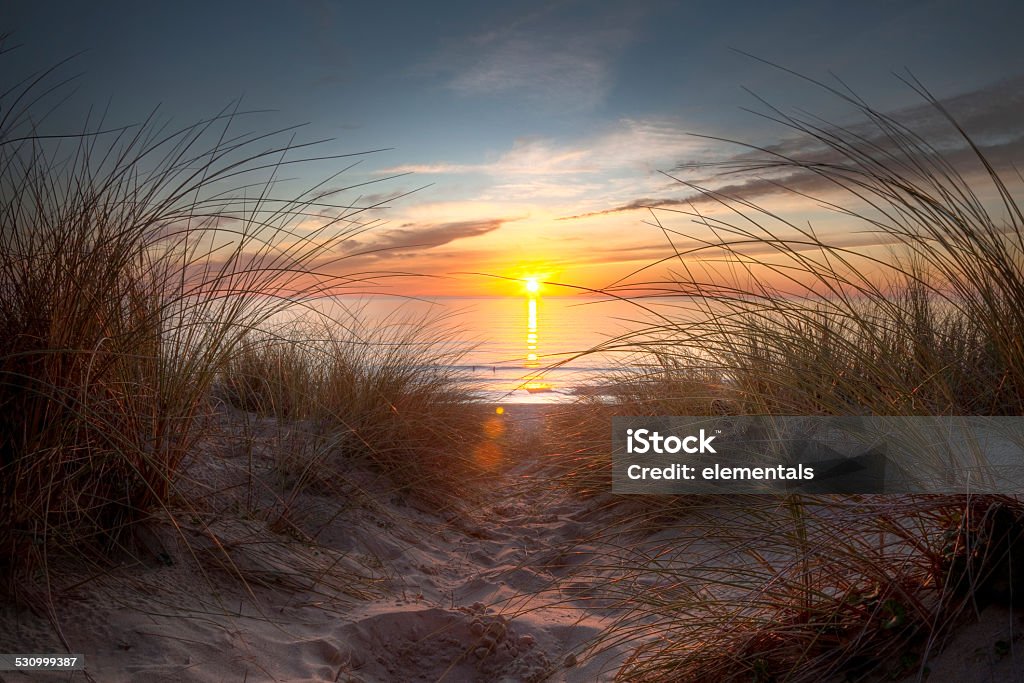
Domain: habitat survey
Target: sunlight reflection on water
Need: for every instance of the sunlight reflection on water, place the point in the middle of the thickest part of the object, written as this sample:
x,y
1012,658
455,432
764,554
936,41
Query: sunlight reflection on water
x,y
559,331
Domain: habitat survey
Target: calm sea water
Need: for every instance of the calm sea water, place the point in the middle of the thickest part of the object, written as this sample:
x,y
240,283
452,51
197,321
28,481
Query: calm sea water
x,y
528,349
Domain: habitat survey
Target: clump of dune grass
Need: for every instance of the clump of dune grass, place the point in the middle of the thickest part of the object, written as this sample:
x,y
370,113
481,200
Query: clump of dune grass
x,y
801,323
387,392
579,439
134,263
796,322
806,590
270,375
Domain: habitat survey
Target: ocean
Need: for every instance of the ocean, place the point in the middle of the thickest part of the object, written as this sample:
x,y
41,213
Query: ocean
x,y
530,349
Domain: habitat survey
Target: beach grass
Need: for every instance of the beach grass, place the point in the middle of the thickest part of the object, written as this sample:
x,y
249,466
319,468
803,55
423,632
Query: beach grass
x,y
389,394
808,589
579,435
795,322
805,323
140,270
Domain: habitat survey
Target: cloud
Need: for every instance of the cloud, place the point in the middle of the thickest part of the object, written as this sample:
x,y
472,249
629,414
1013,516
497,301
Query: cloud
x,y
801,182
555,60
429,169
991,116
572,75
528,156
619,157
390,242
747,190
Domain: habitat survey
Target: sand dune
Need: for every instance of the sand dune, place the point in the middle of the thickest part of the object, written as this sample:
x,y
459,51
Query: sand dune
x,y
346,580
387,591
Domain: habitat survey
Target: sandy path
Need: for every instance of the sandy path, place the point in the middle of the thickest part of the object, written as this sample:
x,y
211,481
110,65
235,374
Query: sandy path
x,y
486,594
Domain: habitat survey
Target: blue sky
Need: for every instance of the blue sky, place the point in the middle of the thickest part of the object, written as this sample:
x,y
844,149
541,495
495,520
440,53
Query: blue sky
x,y
518,114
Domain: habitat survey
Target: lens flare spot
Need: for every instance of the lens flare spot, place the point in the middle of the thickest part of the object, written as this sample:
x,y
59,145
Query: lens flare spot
x,y
488,455
494,427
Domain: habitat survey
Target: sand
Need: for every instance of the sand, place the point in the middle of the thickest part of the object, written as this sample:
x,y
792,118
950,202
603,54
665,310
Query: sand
x,y
346,580
389,591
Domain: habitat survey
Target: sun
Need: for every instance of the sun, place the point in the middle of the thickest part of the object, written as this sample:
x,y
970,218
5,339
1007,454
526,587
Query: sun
x,y
532,286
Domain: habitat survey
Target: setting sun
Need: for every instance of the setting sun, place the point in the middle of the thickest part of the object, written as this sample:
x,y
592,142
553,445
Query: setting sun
x,y
532,286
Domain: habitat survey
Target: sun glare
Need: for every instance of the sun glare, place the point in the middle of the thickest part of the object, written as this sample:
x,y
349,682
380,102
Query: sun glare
x,y
532,286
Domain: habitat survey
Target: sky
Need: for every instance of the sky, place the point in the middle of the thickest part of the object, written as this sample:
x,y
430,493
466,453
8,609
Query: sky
x,y
529,139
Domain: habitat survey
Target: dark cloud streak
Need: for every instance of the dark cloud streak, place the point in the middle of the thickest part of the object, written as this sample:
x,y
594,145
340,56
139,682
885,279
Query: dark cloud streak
x,y
388,242
991,116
